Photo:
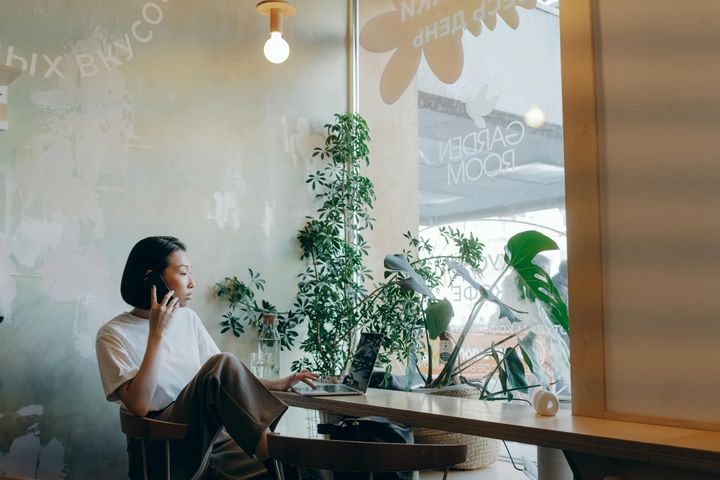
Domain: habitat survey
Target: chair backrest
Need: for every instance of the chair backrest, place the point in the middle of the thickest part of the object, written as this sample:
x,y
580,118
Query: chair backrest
x,y
145,428
345,456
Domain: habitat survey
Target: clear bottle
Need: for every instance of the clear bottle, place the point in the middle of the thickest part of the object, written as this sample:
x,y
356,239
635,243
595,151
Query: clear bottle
x,y
269,346
446,346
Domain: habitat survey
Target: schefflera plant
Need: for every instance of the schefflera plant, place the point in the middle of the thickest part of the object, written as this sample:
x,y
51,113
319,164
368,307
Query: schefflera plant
x,y
332,243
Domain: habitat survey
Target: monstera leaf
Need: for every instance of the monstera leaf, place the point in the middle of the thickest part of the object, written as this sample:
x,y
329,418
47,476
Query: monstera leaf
x,y
524,247
506,311
411,280
437,317
520,251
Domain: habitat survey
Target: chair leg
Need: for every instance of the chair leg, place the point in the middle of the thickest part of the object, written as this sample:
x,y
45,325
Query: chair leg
x,y
279,473
142,442
167,459
446,473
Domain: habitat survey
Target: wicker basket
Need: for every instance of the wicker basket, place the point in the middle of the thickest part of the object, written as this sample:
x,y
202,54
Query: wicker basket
x,y
481,451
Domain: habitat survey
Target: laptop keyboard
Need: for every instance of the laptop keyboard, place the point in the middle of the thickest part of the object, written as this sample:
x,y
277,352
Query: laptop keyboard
x,y
325,387
336,388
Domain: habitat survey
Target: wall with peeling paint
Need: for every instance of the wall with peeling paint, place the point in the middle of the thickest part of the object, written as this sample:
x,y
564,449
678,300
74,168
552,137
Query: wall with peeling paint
x,y
141,118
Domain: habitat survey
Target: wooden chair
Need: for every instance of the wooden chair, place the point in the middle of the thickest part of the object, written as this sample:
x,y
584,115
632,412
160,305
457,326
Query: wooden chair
x,y
144,428
361,457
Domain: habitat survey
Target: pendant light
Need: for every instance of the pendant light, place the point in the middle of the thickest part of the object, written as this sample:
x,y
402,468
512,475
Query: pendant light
x,y
276,48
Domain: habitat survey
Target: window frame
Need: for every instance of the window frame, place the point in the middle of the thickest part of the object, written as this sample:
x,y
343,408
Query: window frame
x,y
582,195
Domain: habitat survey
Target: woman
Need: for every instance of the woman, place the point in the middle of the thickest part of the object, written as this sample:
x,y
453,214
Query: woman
x,y
158,360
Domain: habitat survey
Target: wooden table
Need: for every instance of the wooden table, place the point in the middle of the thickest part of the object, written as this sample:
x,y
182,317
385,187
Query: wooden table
x,y
595,448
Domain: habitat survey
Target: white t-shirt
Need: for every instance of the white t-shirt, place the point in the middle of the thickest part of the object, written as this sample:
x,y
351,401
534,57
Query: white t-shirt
x,y
120,347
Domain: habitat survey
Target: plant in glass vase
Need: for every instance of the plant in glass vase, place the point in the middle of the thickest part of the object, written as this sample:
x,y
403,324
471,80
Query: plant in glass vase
x,y
244,309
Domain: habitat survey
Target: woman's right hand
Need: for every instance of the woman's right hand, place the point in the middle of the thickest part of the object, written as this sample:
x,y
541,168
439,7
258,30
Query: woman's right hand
x,y
161,313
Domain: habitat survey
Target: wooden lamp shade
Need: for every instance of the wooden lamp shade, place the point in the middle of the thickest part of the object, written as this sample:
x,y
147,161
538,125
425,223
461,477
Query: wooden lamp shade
x,y
275,9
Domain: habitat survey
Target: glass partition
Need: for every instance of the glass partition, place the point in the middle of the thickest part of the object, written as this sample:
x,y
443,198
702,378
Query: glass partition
x,y
463,99
474,87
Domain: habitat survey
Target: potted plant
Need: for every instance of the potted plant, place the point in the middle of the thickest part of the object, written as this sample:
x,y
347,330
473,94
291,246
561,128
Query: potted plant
x,y
533,283
332,243
405,308
403,305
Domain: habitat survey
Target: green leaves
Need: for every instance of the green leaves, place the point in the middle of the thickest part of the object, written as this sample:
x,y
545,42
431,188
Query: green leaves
x,y
524,247
244,309
470,249
411,279
437,317
531,356
515,370
331,285
520,252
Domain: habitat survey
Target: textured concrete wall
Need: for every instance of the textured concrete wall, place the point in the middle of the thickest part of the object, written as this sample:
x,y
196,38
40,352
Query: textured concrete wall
x,y
141,118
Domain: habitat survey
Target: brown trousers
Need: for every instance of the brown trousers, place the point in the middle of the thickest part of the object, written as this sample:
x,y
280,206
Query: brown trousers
x,y
227,409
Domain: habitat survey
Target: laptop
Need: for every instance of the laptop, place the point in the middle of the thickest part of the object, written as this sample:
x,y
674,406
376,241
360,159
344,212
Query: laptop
x,y
357,380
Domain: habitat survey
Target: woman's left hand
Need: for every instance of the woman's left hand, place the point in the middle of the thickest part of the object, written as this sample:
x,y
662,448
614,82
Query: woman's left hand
x,y
302,376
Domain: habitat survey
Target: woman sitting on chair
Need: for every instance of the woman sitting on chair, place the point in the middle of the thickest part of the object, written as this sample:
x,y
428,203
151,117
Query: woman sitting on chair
x,y
159,361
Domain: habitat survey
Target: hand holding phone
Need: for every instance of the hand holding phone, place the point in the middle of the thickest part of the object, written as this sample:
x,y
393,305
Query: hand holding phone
x,y
161,311
161,288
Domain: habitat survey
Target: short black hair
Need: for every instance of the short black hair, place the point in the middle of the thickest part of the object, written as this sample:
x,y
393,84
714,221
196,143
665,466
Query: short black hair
x,y
150,253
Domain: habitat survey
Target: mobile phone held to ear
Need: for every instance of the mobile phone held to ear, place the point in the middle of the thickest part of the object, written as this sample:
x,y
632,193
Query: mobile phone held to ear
x,y
161,288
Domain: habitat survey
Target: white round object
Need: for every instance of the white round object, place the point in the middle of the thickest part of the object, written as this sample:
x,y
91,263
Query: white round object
x,y
535,117
276,48
545,402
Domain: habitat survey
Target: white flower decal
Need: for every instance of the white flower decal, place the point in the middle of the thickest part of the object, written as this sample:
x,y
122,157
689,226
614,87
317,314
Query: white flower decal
x,y
433,28
481,105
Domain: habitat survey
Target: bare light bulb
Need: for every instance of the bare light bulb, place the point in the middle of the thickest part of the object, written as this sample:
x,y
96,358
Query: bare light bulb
x,y
535,117
276,48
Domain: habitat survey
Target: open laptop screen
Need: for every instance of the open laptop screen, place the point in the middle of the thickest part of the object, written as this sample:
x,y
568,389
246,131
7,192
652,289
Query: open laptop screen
x,y
363,362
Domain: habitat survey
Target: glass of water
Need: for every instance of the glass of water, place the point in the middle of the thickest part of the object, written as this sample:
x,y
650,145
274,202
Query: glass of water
x,y
261,364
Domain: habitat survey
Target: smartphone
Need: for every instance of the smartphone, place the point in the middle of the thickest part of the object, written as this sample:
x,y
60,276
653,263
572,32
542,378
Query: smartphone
x,y
161,288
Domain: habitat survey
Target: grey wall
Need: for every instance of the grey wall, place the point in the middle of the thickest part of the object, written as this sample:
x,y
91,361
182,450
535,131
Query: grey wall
x,y
659,117
194,134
